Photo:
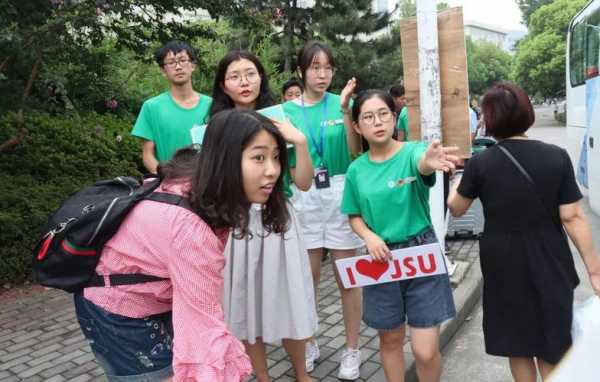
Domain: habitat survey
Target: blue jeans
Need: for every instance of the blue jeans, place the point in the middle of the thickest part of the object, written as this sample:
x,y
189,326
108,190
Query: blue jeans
x,y
425,301
128,349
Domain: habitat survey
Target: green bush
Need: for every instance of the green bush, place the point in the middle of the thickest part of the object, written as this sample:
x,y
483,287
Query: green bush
x,y
59,156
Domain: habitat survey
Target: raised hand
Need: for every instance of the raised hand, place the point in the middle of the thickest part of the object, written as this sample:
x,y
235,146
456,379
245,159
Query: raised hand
x,y
346,93
289,132
438,157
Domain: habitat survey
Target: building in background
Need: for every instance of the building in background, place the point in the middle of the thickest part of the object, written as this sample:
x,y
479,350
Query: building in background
x,y
479,31
502,38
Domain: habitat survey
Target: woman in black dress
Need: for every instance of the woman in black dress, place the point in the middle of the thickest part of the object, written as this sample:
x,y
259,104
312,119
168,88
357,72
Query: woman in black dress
x,y
528,269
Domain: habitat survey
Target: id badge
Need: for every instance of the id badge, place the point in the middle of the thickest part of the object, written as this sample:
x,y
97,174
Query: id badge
x,y
321,177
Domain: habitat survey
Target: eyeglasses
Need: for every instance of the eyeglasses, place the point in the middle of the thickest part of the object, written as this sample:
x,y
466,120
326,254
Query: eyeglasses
x,y
236,78
173,64
368,118
317,69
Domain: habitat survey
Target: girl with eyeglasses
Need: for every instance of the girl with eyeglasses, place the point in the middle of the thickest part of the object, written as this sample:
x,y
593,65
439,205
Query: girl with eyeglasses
x,y
387,200
269,294
324,119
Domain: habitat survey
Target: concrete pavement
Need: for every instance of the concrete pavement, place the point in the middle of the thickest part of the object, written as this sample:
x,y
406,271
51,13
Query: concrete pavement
x,y
40,339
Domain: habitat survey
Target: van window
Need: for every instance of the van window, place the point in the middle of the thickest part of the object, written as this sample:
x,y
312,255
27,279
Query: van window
x,y
592,44
577,54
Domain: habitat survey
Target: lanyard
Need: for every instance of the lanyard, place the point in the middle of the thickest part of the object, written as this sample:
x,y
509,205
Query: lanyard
x,y
319,146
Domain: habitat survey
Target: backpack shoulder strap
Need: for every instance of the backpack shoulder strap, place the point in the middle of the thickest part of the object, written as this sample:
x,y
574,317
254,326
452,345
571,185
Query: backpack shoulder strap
x,y
122,279
175,200
129,279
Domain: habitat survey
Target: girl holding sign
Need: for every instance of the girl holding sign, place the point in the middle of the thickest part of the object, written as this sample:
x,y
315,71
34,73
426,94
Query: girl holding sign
x,y
268,287
387,199
324,118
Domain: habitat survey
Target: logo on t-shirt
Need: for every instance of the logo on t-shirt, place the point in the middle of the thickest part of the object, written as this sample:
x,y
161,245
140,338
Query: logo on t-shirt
x,y
333,122
401,182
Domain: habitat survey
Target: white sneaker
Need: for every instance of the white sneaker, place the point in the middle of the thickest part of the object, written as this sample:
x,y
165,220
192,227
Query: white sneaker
x,y
350,365
312,354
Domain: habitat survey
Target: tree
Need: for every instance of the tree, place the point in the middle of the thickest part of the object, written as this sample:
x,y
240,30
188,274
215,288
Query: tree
x,y
540,65
554,17
528,7
408,8
486,64
346,25
36,33
540,58
290,24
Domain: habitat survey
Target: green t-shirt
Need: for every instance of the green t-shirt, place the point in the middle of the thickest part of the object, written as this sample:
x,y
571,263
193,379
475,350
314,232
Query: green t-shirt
x,y
391,196
336,154
287,181
167,124
402,123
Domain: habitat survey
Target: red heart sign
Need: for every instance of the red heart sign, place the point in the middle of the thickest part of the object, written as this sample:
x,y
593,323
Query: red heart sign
x,y
372,269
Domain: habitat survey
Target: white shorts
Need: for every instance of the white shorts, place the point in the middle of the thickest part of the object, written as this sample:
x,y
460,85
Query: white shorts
x,y
323,224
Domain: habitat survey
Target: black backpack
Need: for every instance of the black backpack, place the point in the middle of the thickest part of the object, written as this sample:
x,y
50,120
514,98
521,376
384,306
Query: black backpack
x,y
69,250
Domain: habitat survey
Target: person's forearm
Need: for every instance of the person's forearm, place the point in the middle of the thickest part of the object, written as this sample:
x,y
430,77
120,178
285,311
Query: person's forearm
x,y
150,163
352,138
303,174
423,168
452,197
580,233
360,227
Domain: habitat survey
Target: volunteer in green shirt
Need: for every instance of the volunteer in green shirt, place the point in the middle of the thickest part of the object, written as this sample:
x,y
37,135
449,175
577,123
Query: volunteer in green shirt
x,y
324,118
165,120
259,307
387,200
397,92
381,191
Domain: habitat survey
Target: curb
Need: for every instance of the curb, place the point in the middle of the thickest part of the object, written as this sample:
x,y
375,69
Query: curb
x,y
466,296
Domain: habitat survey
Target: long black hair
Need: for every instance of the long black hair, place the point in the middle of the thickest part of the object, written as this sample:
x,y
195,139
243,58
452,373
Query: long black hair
x,y
217,190
222,101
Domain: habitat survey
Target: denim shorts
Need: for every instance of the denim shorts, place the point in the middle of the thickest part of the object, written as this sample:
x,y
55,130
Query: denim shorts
x,y
128,349
424,302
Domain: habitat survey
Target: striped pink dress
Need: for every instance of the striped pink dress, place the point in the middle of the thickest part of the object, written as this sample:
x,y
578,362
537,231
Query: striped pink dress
x,y
172,242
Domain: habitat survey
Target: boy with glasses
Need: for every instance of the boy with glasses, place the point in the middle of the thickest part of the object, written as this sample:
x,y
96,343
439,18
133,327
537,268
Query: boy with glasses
x,y
165,120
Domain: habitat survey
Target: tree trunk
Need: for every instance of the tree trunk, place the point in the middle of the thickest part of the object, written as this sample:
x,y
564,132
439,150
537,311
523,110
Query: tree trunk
x,y
19,118
288,44
4,63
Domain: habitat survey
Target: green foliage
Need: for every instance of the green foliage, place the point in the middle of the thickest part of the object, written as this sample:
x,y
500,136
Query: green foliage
x,y
211,50
408,8
540,58
554,17
486,64
375,64
540,65
343,24
57,158
64,43
528,7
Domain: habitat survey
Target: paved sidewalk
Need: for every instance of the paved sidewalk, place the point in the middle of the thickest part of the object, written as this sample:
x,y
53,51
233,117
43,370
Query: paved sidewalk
x,y
40,339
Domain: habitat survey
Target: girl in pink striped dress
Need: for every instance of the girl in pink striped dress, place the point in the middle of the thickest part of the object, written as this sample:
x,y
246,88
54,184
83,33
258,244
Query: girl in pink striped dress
x,y
174,328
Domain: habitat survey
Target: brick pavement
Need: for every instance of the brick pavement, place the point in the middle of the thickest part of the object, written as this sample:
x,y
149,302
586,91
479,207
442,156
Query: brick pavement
x,y
40,339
